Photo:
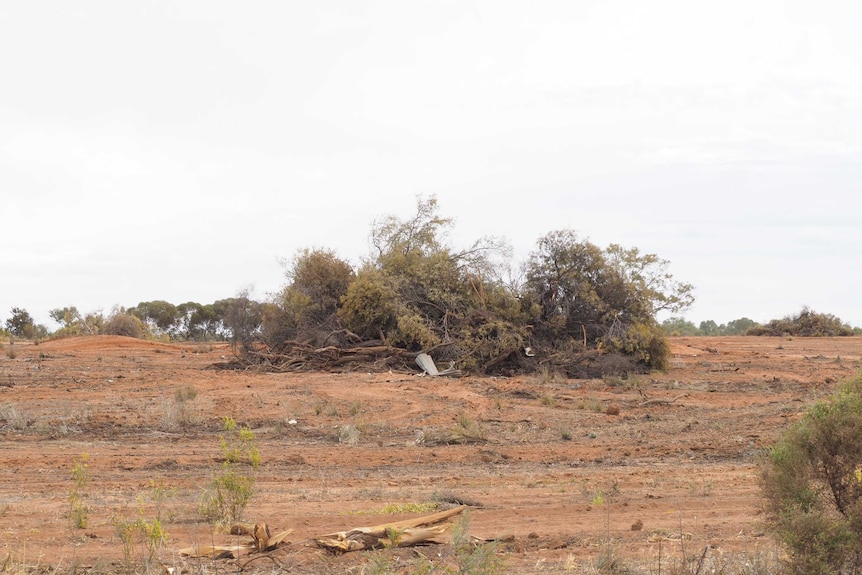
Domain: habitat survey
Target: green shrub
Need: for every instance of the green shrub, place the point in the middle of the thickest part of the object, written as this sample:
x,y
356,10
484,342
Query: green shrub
x,y
141,538
369,306
812,482
124,324
645,342
232,486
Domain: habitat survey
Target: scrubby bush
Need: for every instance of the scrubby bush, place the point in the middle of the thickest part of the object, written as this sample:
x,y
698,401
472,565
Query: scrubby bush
x,y
807,323
232,485
812,482
122,323
645,343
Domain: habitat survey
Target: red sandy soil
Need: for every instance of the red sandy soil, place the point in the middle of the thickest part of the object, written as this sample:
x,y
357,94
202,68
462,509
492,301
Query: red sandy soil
x,y
561,480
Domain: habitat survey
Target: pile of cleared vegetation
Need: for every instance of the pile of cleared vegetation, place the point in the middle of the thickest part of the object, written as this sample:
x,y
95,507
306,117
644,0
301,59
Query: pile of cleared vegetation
x,y
573,308
807,323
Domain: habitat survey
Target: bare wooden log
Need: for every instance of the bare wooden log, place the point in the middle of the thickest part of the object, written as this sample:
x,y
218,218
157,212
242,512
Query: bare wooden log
x,y
405,533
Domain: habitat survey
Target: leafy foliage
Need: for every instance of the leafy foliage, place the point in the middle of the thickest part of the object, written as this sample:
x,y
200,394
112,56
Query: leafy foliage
x,y
812,482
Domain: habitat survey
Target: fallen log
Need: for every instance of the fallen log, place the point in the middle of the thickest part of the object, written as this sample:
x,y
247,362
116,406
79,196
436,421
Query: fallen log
x,y
261,540
425,529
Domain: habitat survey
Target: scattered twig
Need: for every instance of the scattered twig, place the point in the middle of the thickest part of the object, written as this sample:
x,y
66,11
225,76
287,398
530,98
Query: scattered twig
x,y
651,402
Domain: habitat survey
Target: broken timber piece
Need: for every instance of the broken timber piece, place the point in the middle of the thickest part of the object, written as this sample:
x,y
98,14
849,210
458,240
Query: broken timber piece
x,y
424,361
261,540
425,529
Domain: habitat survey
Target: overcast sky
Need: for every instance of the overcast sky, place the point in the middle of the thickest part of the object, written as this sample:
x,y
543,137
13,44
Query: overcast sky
x,y
177,150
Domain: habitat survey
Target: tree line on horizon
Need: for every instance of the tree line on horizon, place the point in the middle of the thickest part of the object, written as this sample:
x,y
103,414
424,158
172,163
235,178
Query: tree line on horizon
x,y
806,323
572,308
195,322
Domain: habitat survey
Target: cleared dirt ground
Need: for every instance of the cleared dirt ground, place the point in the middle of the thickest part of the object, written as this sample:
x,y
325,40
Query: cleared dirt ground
x,y
569,471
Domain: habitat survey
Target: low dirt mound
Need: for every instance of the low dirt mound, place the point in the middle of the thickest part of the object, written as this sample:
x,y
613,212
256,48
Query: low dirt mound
x,y
100,342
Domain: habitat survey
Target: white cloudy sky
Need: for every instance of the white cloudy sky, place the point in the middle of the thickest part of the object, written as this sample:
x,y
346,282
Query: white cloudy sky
x,y
176,150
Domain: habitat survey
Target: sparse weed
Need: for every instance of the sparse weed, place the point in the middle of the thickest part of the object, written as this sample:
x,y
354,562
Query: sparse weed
x,y
592,404
464,431
185,393
79,512
180,415
11,352
467,430
548,400
15,419
545,375
701,489
348,435
399,508
614,381
232,485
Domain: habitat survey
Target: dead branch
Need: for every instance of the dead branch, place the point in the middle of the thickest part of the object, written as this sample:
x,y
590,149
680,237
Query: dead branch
x,y
651,402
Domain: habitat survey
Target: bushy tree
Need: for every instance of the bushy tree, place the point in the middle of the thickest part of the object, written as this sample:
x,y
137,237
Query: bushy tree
x,y
710,328
242,317
739,326
70,319
679,326
604,298
307,306
199,322
21,324
74,322
812,482
159,315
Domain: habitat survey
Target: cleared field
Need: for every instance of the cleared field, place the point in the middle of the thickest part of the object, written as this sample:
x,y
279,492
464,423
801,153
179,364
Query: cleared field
x,y
658,469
